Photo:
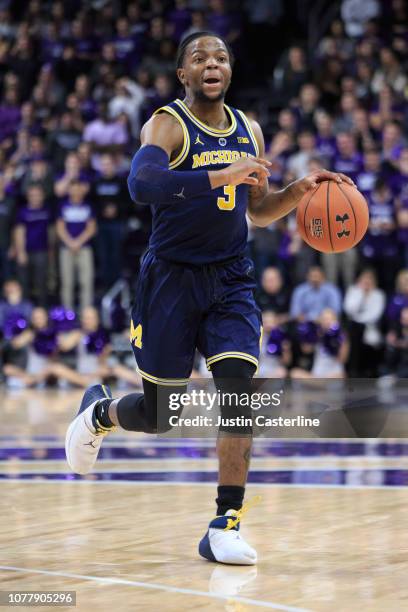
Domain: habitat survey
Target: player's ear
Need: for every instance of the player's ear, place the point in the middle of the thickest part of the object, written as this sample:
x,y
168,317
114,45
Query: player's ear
x,y
181,75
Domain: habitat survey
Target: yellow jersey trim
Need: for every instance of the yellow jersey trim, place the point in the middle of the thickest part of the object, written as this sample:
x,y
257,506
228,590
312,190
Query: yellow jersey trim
x,y
167,382
105,392
250,132
186,136
231,355
206,128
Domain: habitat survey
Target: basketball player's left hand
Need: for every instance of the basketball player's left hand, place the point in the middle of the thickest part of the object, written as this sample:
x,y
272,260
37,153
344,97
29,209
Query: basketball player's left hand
x,y
303,185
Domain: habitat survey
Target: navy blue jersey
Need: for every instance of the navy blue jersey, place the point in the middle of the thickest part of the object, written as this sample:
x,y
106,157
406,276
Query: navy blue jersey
x,y
211,227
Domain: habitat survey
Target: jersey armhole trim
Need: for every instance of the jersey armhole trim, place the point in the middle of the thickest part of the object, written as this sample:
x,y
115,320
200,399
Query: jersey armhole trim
x,y
186,136
250,131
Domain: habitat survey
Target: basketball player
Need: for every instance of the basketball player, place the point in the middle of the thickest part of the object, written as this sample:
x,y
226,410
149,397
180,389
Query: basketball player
x,y
201,169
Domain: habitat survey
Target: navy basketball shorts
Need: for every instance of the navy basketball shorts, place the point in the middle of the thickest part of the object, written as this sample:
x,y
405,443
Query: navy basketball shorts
x,y
181,307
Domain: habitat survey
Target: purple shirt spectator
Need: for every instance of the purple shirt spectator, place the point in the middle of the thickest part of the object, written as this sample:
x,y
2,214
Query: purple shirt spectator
x,y
365,181
36,222
10,117
180,19
380,242
326,146
351,165
75,217
395,305
105,133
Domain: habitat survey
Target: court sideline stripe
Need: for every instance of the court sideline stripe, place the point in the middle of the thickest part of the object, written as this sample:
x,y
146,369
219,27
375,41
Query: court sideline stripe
x,y
156,586
166,483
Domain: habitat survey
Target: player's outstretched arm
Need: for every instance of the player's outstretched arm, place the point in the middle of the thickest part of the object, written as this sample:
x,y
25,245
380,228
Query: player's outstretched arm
x,y
151,181
266,206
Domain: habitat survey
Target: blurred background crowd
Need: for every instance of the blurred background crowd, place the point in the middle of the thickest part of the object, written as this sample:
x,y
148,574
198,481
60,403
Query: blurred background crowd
x,y
327,82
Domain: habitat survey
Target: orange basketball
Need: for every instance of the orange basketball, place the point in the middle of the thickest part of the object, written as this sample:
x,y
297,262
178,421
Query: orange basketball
x,y
333,217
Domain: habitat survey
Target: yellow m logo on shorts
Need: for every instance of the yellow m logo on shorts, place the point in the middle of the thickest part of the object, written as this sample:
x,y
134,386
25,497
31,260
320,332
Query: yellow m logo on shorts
x,y
136,335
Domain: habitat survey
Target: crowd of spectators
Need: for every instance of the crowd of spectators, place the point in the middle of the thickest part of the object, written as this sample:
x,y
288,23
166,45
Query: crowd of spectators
x,y
78,79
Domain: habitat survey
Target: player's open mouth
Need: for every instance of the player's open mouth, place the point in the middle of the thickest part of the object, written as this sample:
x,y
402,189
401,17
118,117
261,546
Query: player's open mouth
x,y
212,81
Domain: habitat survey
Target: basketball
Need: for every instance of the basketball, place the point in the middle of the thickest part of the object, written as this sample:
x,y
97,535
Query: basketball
x,y
333,217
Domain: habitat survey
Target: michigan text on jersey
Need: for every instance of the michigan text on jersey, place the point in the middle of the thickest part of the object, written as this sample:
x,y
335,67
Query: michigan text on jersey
x,y
223,156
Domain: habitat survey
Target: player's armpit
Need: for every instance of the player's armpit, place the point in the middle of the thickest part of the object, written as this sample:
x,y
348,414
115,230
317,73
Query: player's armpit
x,y
164,131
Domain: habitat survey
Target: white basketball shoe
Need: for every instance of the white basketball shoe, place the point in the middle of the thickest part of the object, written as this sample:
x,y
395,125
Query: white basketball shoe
x,y
85,434
223,542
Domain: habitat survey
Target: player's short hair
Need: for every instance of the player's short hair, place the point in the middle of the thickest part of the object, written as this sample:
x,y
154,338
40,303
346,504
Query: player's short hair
x,y
181,51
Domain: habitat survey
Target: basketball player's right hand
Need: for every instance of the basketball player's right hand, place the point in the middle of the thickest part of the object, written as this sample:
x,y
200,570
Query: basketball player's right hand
x,y
248,171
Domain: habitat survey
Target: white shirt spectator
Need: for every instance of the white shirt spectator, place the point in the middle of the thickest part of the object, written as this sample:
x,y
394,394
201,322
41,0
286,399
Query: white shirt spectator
x,y
355,13
366,307
104,133
128,100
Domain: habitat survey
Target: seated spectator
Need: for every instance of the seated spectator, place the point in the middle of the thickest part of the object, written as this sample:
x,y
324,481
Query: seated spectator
x,y
179,19
385,108
366,136
364,306
309,97
392,143
315,295
273,295
91,344
298,162
223,21
275,352
13,306
76,226
399,300
15,313
348,160
279,151
325,139
396,348
304,338
295,72
330,350
31,237
40,342
344,120
336,41
391,72
371,172
364,76
287,121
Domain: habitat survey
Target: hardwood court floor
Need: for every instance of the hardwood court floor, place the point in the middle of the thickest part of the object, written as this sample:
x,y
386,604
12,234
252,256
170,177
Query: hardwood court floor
x,y
126,545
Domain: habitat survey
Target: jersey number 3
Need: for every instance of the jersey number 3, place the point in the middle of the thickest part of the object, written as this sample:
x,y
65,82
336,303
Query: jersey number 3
x,y
227,203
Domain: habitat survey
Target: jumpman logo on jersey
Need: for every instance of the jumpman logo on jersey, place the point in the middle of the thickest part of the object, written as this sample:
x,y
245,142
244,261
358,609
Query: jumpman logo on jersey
x,y
180,195
197,140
